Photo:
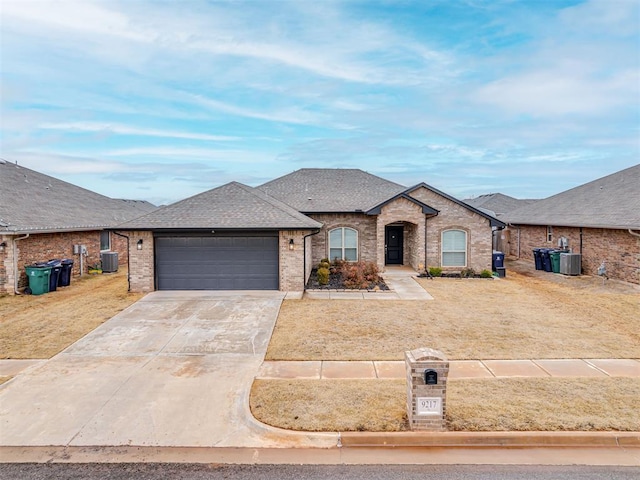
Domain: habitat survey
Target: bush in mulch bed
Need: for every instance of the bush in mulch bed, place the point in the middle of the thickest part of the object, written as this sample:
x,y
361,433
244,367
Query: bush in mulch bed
x,y
466,273
347,276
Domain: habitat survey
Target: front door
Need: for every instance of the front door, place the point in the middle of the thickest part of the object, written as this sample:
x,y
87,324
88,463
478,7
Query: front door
x,y
393,245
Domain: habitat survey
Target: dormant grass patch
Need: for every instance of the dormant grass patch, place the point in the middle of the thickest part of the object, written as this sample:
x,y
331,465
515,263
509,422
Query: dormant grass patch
x,y
517,317
40,326
511,404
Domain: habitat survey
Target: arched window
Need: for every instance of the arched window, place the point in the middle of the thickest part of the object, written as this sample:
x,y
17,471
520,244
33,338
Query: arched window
x,y
454,248
343,244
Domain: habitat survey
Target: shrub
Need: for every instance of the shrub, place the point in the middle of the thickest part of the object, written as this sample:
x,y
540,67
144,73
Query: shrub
x,y
324,264
323,276
468,273
486,274
435,271
359,274
325,260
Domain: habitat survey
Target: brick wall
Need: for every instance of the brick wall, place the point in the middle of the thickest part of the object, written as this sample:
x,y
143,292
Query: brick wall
x,y
141,262
618,248
454,216
292,261
46,246
364,224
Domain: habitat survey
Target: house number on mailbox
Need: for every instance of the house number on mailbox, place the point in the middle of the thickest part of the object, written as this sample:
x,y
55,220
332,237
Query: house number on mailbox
x,y
430,377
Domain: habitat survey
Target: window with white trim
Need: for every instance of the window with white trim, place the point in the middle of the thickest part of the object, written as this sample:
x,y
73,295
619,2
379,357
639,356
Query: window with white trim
x,y
105,241
343,244
454,248
549,234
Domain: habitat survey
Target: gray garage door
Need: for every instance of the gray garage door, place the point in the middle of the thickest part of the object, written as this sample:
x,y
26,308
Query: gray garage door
x,y
217,263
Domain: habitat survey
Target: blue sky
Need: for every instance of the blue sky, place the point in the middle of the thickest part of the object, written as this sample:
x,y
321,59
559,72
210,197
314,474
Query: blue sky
x,y
159,100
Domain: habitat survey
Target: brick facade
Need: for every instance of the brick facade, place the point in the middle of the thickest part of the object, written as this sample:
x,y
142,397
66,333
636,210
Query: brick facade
x,y
371,232
141,262
617,248
454,216
46,246
364,224
292,261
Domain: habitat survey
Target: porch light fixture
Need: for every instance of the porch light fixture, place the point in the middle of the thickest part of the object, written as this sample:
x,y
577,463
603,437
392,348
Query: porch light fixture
x,y
139,244
3,245
291,244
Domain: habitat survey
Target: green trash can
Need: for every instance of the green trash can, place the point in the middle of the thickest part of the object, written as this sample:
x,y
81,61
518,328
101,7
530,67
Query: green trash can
x,y
38,279
555,261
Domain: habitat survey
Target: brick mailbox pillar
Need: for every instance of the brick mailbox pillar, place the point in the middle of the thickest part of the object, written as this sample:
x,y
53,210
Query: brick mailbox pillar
x,y
427,372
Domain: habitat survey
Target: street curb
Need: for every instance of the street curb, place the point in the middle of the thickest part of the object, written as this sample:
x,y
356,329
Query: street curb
x,y
490,439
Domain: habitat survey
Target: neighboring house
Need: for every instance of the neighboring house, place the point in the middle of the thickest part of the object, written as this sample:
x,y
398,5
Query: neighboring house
x,y
270,237
497,205
600,220
42,218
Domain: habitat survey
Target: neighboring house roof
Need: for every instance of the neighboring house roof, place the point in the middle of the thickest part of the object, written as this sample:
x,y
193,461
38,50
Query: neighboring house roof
x,y
231,206
498,203
494,222
330,190
608,202
31,202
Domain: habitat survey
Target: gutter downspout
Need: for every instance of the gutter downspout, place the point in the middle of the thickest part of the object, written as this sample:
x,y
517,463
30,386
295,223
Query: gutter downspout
x,y
15,263
304,258
128,269
635,234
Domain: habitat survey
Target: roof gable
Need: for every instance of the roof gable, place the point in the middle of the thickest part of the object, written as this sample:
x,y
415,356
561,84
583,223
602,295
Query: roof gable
x,y
329,190
426,209
494,222
608,202
231,206
32,202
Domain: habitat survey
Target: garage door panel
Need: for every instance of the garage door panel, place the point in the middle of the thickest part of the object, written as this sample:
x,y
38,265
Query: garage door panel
x,y
217,263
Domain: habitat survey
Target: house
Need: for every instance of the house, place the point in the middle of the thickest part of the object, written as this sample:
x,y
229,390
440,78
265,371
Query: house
x,y
271,236
497,205
600,220
42,218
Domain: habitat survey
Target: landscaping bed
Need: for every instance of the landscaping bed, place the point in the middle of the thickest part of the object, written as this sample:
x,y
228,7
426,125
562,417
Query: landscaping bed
x,y
341,275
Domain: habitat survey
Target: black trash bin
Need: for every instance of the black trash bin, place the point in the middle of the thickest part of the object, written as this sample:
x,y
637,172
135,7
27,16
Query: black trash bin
x,y
56,268
537,257
546,259
64,279
497,260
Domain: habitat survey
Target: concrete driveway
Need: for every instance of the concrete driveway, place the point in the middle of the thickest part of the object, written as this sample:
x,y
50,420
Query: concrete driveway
x,y
174,369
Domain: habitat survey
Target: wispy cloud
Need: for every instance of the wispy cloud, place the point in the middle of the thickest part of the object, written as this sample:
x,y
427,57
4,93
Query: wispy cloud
x,y
136,131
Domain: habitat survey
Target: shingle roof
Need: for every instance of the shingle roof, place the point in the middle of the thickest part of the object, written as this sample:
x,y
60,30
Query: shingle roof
x,y
498,203
609,202
31,202
231,206
325,190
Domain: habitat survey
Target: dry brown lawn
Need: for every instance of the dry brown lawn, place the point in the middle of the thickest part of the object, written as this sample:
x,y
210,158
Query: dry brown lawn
x,y
40,326
518,404
526,315
521,316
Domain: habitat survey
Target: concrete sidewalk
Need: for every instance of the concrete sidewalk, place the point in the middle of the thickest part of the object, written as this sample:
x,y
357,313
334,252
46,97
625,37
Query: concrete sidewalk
x,y
458,369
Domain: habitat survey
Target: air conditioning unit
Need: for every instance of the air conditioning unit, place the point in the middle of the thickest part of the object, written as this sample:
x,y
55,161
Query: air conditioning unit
x,y
570,263
109,261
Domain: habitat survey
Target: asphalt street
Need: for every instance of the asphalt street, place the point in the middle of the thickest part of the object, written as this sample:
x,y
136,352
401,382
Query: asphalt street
x,y
153,471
